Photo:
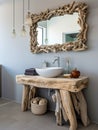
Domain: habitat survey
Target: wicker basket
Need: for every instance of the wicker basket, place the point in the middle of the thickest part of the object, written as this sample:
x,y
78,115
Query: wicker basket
x,y
38,109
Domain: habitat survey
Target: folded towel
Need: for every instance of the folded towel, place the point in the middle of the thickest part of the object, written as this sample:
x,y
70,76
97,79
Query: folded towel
x,y
30,71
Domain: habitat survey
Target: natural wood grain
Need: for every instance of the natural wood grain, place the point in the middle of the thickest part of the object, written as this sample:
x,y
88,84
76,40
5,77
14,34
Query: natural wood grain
x,y
25,97
69,84
81,106
31,94
68,106
67,93
78,45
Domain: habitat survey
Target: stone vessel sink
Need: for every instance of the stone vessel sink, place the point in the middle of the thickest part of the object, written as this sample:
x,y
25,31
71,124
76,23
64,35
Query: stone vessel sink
x,y
50,72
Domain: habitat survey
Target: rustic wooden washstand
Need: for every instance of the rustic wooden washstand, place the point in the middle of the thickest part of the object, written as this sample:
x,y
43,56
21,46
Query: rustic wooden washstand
x,y
68,96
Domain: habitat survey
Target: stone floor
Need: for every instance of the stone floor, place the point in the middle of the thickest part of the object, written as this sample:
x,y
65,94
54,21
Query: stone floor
x,y
4,101
12,118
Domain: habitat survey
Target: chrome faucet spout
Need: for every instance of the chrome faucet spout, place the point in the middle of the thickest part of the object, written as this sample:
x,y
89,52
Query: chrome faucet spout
x,y
57,59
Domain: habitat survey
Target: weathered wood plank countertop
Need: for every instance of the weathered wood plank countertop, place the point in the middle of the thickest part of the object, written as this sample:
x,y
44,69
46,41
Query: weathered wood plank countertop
x,y
69,84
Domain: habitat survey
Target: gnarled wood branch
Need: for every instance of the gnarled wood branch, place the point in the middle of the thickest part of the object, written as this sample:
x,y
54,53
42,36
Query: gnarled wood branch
x,y
78,45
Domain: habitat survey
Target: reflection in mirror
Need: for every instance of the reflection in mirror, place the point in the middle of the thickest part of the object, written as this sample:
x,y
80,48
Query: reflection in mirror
x,y
61,29
69,37
54,29
42,33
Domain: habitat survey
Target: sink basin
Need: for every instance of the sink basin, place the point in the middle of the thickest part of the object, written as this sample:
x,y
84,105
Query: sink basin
x,y
50,72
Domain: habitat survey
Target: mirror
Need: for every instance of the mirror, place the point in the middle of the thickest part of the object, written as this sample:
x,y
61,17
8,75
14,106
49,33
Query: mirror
x,y
61,29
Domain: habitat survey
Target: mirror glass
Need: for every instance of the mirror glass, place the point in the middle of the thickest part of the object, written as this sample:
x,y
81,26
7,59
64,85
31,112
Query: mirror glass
x,y
60,29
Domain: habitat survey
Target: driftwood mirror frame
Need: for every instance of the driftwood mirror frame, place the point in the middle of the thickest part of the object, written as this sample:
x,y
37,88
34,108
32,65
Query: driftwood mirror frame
x,y
78,45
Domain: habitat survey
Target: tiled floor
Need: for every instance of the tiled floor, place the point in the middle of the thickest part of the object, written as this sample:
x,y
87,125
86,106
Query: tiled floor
x,y
12,118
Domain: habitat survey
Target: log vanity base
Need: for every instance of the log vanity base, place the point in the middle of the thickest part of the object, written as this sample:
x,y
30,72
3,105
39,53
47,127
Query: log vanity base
x,y
80,106
68,107
28,94
25,98
68,96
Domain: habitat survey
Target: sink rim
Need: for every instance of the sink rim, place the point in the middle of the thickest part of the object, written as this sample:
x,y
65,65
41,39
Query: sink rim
x,y
49,68
50,72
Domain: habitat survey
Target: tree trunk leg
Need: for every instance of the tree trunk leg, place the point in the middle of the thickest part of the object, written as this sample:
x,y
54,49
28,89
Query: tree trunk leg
x,y
68,106
31,95
75,102
83,108
25,97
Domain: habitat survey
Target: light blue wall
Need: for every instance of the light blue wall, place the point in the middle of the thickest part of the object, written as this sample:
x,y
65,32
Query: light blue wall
x,y
15,55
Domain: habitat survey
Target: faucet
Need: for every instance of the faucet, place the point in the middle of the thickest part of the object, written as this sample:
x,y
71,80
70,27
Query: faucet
x,y
57,59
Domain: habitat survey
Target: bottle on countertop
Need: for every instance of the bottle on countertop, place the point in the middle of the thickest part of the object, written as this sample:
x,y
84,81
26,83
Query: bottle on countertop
x,y
44,64
68,65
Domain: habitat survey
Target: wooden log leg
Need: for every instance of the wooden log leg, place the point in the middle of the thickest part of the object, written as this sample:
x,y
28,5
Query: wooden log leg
x,y
83,108
64,113
31,95
25,97
68,106
75,102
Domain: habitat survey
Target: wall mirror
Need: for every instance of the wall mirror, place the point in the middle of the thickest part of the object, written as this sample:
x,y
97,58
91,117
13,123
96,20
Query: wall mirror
x,y
61,29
